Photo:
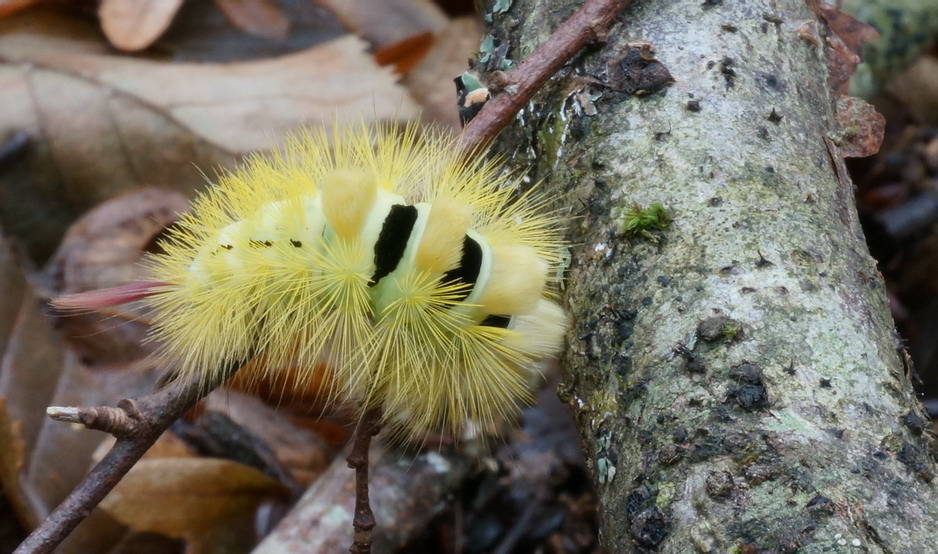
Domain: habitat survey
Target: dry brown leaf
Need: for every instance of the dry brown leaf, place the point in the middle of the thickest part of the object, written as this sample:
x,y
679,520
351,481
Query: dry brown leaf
x,y
262,18
104,249
102,124
386,22
407,53
917,89
38,371
209,499
10,7
431,82
133,25
303,452
844,41
12,460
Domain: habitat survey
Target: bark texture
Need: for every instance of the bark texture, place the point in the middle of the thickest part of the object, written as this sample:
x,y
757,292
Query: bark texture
x,y
736,379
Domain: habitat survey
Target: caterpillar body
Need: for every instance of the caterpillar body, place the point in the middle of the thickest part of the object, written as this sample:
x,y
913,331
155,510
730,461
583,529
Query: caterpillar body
x,y
405,270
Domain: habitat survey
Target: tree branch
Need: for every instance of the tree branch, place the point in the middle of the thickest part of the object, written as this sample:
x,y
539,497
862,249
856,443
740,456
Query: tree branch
x,y
136,423
588,25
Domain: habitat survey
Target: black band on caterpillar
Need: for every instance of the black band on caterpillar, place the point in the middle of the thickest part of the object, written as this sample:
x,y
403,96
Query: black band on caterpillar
x,y
467,272
501,321
393,240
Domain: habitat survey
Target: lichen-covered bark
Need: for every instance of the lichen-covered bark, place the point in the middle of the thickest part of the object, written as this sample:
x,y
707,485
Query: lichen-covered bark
x,y
737,380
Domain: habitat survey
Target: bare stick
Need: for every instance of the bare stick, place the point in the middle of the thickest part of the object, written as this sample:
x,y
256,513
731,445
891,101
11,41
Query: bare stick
x,y
364,520
589,24
136,423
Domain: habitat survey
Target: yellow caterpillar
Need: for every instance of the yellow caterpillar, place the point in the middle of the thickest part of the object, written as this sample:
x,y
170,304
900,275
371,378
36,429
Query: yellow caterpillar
x,y
405,270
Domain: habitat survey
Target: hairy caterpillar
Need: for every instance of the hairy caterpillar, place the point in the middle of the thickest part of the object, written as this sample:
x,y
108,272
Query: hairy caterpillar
x,y
403,269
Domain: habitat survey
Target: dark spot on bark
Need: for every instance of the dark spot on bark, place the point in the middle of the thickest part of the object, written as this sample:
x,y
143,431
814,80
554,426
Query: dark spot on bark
x,y
705,447
790,368
749,392
670,453
719,484
719,329
729,74
825,383
747,290
663,281
650,527
836,433
729,27
693,105
916,423
757,474
646,301
637,73
710,64
661,135
775,117
680,434
715,201
638,499
763,133
880,455
820,504
692,364
915,460
711,3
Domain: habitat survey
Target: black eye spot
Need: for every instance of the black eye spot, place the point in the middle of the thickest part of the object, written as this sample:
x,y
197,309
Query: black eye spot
x,y
227,246
296,243
261,243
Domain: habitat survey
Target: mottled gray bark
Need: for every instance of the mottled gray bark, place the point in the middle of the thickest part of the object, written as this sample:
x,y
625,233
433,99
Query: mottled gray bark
x,y
736,378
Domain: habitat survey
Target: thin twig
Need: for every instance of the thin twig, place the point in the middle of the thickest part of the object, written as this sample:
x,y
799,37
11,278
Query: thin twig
x,y
589,24
364,519
142,421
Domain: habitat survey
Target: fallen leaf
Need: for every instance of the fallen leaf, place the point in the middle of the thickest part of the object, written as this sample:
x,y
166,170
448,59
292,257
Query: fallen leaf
x,y
407,53
126,123
12,460
262,18
212,500
103,249
9,7
861,127
304,453
386,22
37,371
431,81
133,25
846,37
917,89
851,30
